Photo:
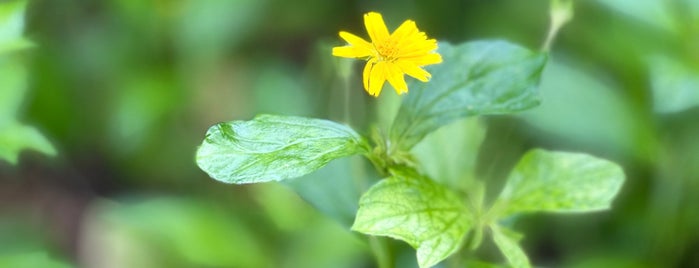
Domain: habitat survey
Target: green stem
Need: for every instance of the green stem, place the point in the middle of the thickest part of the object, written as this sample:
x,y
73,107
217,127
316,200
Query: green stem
x,y
561,12
381,251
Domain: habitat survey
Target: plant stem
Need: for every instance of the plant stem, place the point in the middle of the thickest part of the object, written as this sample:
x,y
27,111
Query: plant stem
x,y
381,252
561,12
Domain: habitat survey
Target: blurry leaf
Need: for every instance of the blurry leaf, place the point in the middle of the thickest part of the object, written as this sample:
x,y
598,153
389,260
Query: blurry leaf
x,y
28,260
417,210
335,189
208,28
449,154
279,90
11,22
560,182
16,137
675,86
481,77
186,232
273,148
578,108
141,102
15,45
507,244
654,13
13,85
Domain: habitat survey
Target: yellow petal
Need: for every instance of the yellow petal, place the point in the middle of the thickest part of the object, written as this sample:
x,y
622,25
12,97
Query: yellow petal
x,y
377,78
405,30
413,70
427,59
350,52
367,72
356,41
395,78
376,27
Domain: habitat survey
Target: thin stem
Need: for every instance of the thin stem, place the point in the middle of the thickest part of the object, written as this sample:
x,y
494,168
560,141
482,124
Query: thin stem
x,y
561,12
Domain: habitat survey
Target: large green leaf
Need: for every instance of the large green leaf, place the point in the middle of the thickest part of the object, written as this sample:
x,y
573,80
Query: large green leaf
x,y
481,77
417,210
506,241
274,148
560,182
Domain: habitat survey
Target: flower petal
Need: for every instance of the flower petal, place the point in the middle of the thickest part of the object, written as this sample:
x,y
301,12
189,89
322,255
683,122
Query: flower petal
x,y
376,27
367,71
395,78
413,70
404,31
356,41
377,78
426,59
350,52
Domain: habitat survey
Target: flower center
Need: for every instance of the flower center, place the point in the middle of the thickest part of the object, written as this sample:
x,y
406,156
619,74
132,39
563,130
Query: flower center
x,y
386,50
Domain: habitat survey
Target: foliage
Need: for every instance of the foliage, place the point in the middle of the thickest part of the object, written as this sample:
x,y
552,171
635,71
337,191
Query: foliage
x,y
476,78
15,136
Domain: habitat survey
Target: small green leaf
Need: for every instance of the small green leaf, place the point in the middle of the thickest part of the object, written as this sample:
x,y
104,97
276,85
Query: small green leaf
x,y
274,148
506,240
560,182
417,210
15,137
482,77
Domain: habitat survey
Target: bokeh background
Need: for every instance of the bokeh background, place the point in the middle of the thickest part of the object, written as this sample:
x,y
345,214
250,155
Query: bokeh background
x,y
125,90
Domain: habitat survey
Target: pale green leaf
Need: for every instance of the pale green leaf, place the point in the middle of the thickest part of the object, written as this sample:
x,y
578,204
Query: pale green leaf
x,y
560,182
675,85
16,137
274,148
11,20
13,85
15,45
417,210
449,154
580,107
31,259
507,243
481,77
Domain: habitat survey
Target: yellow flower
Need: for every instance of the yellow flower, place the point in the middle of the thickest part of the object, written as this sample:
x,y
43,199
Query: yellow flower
x,y
390,56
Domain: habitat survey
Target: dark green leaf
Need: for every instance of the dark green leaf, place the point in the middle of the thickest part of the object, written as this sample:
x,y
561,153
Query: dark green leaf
x,y
417,210
481,77
560,182
273,148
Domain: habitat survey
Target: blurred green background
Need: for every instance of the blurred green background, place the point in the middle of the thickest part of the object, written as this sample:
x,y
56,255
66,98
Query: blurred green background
x,y
125,90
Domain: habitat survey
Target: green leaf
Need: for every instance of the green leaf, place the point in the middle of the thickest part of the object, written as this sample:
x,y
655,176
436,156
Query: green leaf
x,y
274,148
675,85
506,240
31,259
560,182
612,126
449,154
12,88
481,77
15,137
417,210
11,21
